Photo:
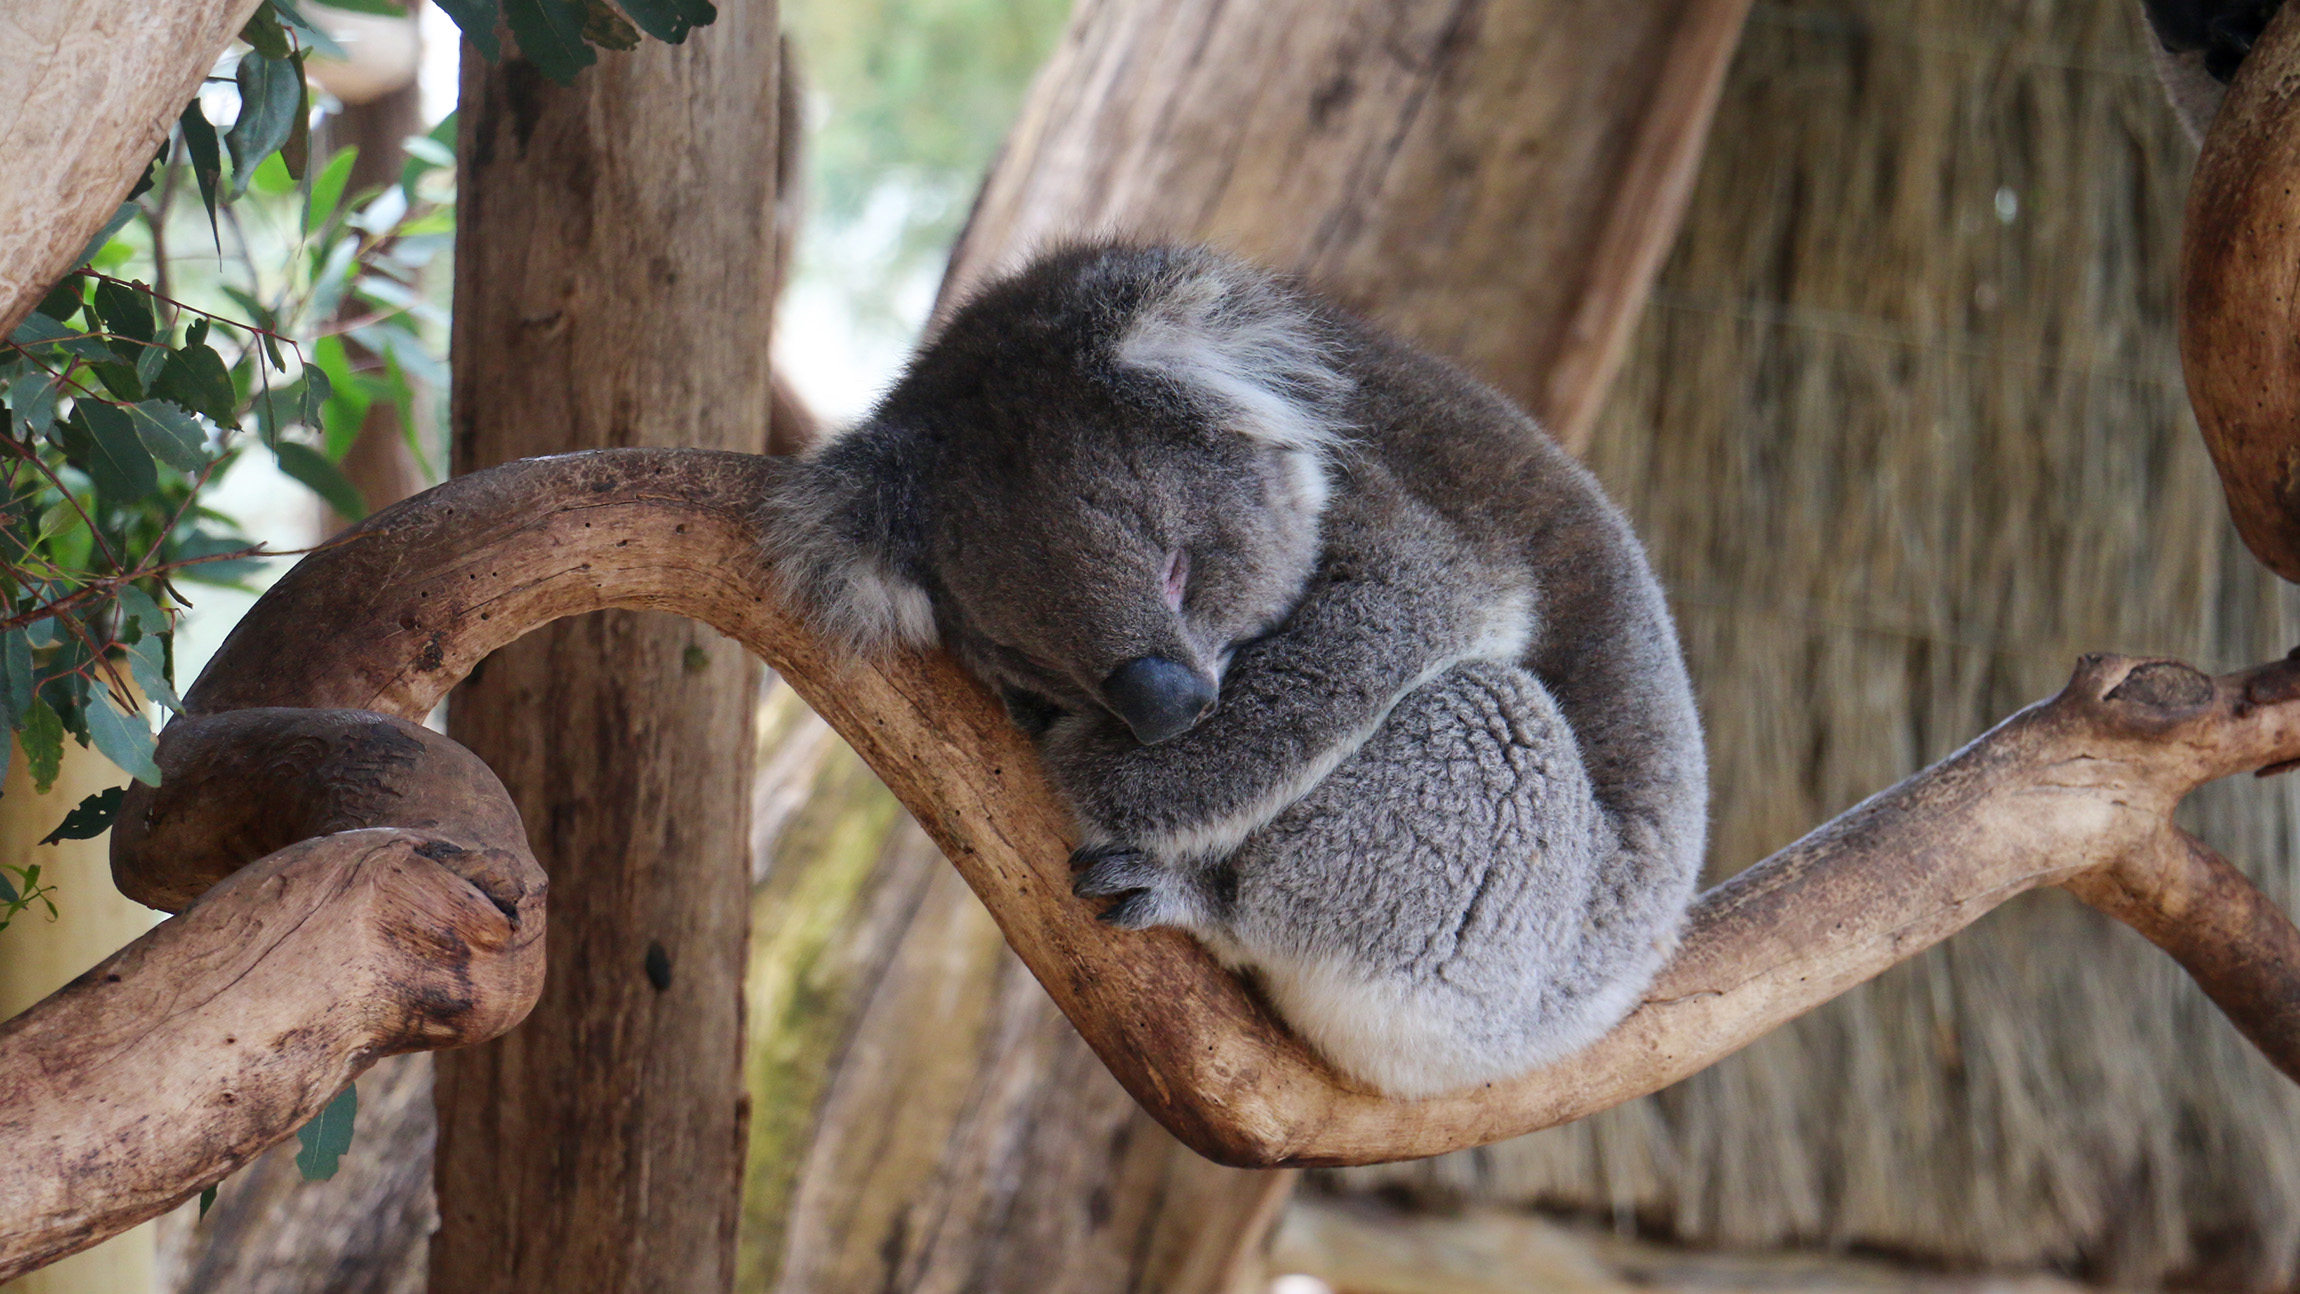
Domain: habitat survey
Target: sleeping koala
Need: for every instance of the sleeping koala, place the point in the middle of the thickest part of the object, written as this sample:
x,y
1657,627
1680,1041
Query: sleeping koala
x,y
1343,665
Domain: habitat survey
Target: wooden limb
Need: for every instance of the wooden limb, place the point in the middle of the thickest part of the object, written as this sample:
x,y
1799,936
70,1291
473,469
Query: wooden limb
x,y
2084,781
2239,264
406,915
96,88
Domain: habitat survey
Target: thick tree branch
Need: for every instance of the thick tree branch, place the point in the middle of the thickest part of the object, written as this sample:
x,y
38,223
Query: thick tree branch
x,y
2085,781
401,911
2239,265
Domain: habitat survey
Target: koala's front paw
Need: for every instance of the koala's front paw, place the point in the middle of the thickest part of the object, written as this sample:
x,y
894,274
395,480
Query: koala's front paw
x,y
1148,893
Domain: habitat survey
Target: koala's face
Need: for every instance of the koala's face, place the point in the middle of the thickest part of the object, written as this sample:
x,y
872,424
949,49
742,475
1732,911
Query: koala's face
x,y
1106,558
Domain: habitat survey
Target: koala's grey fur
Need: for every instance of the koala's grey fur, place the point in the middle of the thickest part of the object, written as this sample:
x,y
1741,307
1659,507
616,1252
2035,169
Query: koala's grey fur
x,y
1450,804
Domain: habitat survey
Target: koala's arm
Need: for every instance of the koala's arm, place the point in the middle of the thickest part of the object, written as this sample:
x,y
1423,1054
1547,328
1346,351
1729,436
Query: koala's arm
x,y
1378,620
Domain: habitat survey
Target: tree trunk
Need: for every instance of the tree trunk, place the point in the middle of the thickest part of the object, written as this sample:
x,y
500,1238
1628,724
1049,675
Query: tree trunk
x,y
1905,432
615,266
925,1120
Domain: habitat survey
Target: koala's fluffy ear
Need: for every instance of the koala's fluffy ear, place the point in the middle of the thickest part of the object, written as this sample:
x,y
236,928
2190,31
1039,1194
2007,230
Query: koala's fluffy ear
x,y
1233,337
842,535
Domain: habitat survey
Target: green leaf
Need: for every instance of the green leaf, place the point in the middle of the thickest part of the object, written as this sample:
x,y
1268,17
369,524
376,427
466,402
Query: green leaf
x,y
148,662
113,455
327,189
294,157
381,8
264,34
476,19
550,36
148,365
603,27
200,543
327,1137
270,89
308,33
127,314
92,819
326,480
137,608
670,20
195,377
16,656
124,738
207,161
120,380
42,737
32,399
170,434
127,212
63,300
151,175
207,1200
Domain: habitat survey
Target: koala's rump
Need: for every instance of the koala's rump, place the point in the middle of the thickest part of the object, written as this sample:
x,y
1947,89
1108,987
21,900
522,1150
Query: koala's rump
x,y
1439,910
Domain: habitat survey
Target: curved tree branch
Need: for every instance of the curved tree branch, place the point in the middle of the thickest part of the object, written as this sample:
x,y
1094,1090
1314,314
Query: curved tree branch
x,y
389,904
2085,781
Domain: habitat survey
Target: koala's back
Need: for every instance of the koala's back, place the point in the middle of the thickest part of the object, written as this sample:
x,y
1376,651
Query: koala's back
x,y
1601,640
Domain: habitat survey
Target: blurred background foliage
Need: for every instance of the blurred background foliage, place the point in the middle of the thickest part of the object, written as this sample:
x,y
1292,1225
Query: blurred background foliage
x,y
906,102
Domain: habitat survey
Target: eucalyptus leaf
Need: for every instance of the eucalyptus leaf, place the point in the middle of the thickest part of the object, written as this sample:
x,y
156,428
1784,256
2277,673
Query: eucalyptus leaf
x,y
670,20
137,606
550,36
270,90
124,738
195,377
42,737
148,366
92,818
119,221
326,480
327,1137
264,34
327,189
115,457
476,19
171,434
148,663
16,653
63,300
207,161
308,34
32,400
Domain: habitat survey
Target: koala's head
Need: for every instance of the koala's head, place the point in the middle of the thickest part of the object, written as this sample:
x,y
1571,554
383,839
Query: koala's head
x,y
1100,478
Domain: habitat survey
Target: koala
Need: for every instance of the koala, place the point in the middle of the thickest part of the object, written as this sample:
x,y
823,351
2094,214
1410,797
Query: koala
x,y
1343,665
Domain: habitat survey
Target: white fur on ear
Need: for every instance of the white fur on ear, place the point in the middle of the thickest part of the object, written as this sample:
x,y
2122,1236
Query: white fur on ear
x,y
826,562
1238,342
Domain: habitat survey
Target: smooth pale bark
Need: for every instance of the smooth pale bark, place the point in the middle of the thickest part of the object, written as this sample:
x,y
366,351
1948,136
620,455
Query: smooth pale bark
x,y
95,89
615,281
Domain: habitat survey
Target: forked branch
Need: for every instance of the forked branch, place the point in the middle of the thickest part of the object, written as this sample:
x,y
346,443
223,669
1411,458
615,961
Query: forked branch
x,y
223,1029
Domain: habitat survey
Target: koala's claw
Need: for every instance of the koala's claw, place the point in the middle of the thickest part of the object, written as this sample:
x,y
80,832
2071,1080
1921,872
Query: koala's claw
x,y
1108,871
1137,911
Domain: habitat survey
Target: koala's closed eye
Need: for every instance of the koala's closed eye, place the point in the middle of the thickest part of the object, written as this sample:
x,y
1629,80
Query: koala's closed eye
x,y
1029,711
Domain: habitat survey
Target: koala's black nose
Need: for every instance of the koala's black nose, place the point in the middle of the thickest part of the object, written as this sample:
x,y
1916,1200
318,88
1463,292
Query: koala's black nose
x,y
1158,698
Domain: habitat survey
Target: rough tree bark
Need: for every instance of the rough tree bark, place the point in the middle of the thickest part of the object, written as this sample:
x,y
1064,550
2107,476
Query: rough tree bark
x,y
615,279
1497,180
